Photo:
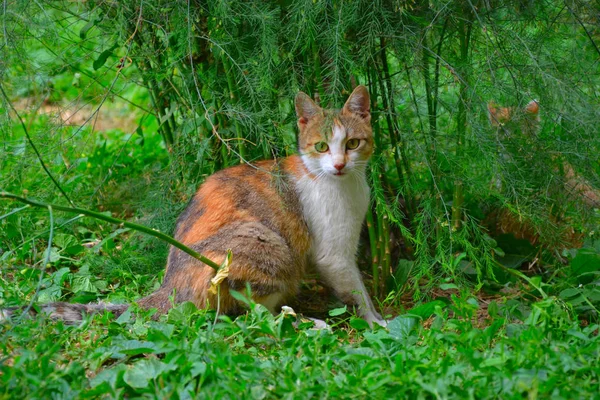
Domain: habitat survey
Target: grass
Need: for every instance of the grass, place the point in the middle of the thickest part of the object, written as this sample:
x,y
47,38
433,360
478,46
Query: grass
x,y
519,350
513,343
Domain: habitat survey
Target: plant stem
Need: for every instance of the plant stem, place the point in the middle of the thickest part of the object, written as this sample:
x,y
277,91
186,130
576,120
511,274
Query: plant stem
x,y
132,225
387,255
374,251
461,126
233,98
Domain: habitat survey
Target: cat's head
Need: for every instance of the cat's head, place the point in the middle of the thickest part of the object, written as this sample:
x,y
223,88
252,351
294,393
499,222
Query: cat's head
x,y
335,143
510,119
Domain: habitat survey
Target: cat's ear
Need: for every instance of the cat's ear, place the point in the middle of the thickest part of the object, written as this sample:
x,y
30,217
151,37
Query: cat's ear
x,y
306,109
532,107
359,103
493,113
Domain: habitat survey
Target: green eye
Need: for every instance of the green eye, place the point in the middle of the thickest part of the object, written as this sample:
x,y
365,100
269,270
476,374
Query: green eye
x,y
352,144
321,147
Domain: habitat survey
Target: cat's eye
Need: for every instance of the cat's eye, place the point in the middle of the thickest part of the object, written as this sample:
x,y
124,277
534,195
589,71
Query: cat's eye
x,y
352,144
321,147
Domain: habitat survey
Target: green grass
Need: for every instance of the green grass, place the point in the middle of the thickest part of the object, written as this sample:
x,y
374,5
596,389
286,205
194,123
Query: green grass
x,y
519,350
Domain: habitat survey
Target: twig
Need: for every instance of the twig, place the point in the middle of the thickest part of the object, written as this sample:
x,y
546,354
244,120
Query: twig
x,y
132,225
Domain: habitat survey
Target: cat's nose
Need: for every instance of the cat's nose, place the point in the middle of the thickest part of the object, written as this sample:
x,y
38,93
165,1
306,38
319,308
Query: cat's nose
x,y
339,166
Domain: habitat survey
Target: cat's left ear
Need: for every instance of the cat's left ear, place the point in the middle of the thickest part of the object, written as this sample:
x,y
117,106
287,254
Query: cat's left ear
x,y
359,103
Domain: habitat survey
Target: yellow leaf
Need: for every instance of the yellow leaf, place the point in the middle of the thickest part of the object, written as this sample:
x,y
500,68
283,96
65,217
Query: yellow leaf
x,y
222,273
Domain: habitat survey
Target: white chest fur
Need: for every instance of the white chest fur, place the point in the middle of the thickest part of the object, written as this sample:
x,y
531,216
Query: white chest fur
x,y
334,209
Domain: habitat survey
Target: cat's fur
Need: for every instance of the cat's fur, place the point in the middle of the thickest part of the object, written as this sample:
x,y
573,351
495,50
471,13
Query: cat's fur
x,y
278,217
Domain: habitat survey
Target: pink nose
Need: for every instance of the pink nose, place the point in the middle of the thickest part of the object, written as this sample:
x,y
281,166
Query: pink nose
x,y
339,166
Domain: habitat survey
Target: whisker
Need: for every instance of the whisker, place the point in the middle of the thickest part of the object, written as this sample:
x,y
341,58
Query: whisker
x,y
320,173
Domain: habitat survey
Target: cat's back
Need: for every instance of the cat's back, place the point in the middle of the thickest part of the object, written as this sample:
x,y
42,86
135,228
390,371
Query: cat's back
x,y
263,192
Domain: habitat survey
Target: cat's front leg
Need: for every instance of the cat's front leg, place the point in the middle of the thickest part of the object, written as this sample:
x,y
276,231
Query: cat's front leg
x,y
344,278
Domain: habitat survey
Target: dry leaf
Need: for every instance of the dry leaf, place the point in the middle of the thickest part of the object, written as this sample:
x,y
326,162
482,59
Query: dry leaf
x,y
222,273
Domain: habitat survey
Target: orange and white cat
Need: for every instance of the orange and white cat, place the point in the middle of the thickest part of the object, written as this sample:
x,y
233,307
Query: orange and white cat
x,y
279,218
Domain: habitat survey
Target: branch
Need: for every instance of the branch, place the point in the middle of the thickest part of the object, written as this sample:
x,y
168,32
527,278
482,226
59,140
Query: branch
x,y
132,225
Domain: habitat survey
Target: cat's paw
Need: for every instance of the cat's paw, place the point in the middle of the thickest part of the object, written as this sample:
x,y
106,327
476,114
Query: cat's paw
x,y
318,324
382,322
375,319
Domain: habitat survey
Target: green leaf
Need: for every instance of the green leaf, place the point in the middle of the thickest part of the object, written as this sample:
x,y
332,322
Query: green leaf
x,y
426,310
83,283
182,312
577,334
124,318
403,272
568,293
140,132
109,376
493,309
401,326
239,297
493,362
54,255
586,261
516,251
448,286
63,240
144,371
101,60
337,311
134,347
359,324
60,276
83,32
49,294
198,368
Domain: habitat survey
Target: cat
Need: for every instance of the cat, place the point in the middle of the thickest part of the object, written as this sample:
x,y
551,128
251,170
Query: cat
x,y
278,218
517,130
526,119
508,120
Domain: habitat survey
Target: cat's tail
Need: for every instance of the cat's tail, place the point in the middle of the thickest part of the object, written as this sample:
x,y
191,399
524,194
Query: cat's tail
x,y
67,312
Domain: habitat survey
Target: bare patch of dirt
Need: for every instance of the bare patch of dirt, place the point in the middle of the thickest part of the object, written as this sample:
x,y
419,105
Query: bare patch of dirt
x,y
108,117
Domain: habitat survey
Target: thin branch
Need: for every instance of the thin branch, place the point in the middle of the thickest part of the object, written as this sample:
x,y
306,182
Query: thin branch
x,y
132,225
